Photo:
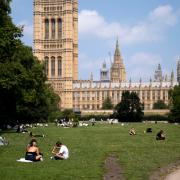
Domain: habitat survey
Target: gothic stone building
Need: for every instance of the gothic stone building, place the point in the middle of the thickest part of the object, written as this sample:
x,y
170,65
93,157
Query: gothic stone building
x,y
56,45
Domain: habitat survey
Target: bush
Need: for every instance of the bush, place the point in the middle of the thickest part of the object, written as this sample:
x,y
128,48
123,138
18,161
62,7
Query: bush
x,y
160,105
156,118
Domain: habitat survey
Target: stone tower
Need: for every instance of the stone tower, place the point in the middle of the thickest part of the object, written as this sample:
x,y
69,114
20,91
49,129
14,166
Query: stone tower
x,y
158,74
56,44
118,73
104,73
178,72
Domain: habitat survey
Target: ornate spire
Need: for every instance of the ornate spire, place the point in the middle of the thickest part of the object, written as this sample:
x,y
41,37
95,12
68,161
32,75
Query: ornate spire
x,y
158,74
104,65
166,78
159,67
140,80
118,73
91,77
172,75
178,72
117,51
150,80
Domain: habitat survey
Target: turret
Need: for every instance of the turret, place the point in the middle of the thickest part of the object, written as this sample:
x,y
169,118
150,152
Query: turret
x,y
158,74
91,77
172,76
104,73
178,72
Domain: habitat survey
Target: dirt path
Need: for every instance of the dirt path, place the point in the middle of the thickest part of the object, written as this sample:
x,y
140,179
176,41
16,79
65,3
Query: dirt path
x,y
113,170
174,176
170,172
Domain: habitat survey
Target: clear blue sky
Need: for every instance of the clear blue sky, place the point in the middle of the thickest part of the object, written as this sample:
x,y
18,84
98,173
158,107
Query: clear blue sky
x,y
148,33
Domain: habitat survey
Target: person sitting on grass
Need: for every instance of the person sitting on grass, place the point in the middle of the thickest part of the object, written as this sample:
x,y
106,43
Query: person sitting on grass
x,y
160,135
149,130
3,141
132,131
60,151
32,152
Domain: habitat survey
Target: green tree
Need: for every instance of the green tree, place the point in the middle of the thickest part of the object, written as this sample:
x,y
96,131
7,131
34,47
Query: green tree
x,y
24,95
36,100
175,104
130,109
10,69
107,104
160,105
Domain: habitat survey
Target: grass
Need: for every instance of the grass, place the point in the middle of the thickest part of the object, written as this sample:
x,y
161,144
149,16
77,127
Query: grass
x,y
138,155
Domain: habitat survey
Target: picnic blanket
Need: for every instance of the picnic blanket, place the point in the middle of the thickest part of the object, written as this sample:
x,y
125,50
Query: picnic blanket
x,y
23,160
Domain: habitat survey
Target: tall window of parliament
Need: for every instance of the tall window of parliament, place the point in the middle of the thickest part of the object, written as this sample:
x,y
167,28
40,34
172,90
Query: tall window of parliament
x,y
46,65
52,66
46,28
59,66
59,28
53,28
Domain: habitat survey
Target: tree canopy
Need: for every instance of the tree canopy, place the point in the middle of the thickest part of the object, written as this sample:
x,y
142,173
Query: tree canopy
x,y
130,108
24,95
107,104
175,104
160,105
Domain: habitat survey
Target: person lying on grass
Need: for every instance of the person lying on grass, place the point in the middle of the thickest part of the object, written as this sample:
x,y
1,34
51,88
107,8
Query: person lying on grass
x,y
32,152
60,151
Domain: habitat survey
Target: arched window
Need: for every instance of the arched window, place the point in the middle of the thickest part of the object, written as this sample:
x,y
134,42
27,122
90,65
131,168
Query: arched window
x,y
59,66
46,59
59,28
52,66
46,28
53,30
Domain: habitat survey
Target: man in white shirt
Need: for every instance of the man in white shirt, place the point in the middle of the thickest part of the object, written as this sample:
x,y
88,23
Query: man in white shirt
x,y
63,151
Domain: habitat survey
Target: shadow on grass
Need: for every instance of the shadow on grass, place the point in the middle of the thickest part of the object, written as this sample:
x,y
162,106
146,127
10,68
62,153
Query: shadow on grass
x,y
8,131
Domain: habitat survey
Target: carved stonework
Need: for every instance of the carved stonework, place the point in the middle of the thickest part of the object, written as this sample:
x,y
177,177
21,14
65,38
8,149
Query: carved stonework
x,y
118,73
56,43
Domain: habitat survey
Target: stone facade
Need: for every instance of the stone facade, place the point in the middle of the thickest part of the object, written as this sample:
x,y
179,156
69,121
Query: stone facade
x,y
90,95
56,44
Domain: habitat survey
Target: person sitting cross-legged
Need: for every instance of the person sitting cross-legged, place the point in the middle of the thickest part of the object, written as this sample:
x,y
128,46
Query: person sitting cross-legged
x,y
132,131
160,135
32,152
60,151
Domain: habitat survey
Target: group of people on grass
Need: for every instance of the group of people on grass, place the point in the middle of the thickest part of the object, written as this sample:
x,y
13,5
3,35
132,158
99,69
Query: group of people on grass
x,y
33,153
61,152
159,136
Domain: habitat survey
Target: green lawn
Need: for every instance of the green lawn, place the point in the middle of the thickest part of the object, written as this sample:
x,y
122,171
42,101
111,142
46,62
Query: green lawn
x,y
138,155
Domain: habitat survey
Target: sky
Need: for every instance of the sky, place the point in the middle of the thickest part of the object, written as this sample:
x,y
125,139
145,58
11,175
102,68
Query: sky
x,y
148,34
